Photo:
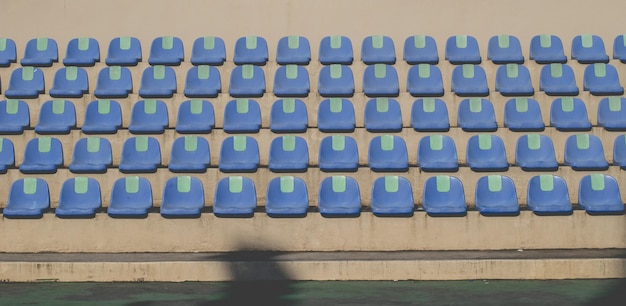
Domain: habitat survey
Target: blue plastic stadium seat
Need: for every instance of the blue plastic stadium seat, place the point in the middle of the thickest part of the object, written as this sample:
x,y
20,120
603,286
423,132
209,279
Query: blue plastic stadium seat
x,y
558,80
424,80
293,50
91,155
289,115
80,198
335,50
437,153
548,195
535,152
420,49
469,80
14,115
195,116
462,49
547,49
40,52
611,113
523,115
239,154
380,80
600,194
569,114
392,196
619,48
339,196
444,196
585,152
190,154
288,154
7,155
291,81
247,81
208,50
496,196
388,153
26,83
430,115
203,82
8,53
42,155
158,82
336,115
587,49
514,80
242,116
102,117
28,198
602,80
336,81
235,196
486,152
378,49
148,116
250,50
82,51
383,115
166,50
124,51
476,115
56,117
70,82
114,82
287,196
183,197
338,153
505,49
131,197
140,154
619,151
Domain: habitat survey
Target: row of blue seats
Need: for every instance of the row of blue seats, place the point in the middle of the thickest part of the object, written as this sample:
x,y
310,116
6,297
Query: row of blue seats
x,y
339,196
288,115
210,50
485,152
379,80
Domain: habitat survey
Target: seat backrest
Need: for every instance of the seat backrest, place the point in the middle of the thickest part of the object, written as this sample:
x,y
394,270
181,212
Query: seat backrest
x,y
599,193
287,195
588,48
336,81
444,195
338,153
242,115
102,116
289,115
437,153
131,195
546,49
8,53
42,154
250,50
28,197
56,116
91,154
235,195
166,50
339,194
611,113
191,151
239,154
124,51
430,115
293,50
40,52
336,115
380,80
383,115
476,114
523,114
388,153
83,51
420,49
336,50
195,116
141,150
80,196
203,81
535,152
496,194
392,195
158,81
424,80
585,152
569,113
378,49
247,81
505,49
288,154
486,152
548,194
208,50
114,82
183,192
14,115
149,116
7,154
462,49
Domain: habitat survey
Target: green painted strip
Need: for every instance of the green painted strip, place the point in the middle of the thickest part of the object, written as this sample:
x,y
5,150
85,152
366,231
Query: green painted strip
x,y
587,40
204,72
512,71
239,143
93,144
534,141
484,142
289,105
12,106
247,72
104,106
556,70
392,183
71,73
292,71
83,43
115,73
125,42
1,143
545,41
382,105
336,105
338,142
209,42
386,142
44,144
251,42
461,41
58,106
335,71
131,184
521,105
191,143
339,183
599,69
287,184
183,184
81,185
624,39
149,106
495,183
475,105
195,106
141,143
429,105
377,41
158,72
419,41
30,185
27,73
567,104
380,71
293,42
582,141
443,183
3,44
597,182
423,71
335,42
546,182
42,44
243,106
235,184
468,71
436,142
289,143
615,104
503,41
167,42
